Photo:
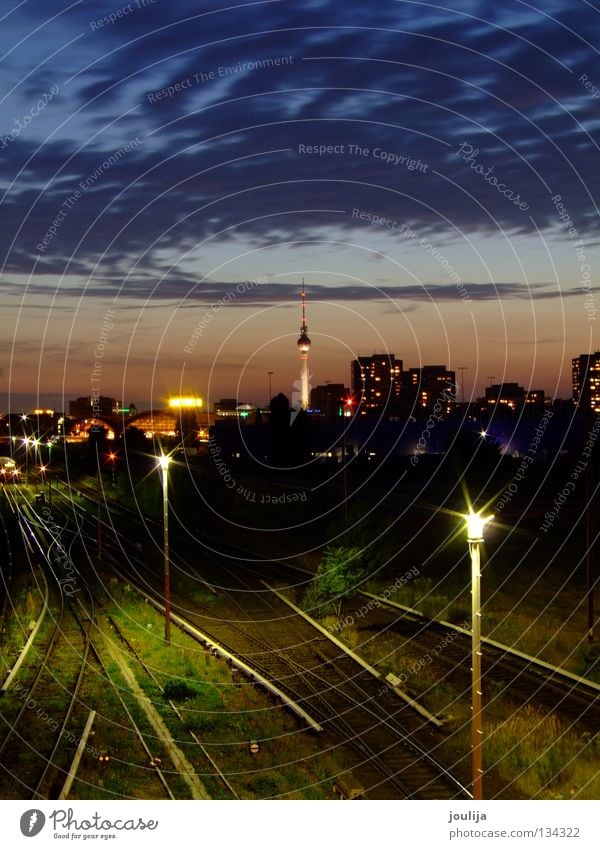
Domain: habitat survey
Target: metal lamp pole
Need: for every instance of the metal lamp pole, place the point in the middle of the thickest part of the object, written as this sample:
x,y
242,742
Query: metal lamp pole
x,y
475,525
26,444
49,447
98,508
164,461
347,405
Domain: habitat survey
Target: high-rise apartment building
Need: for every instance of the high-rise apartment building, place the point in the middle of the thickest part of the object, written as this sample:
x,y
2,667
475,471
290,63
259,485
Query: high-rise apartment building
x,y
428,386
377,384
586,381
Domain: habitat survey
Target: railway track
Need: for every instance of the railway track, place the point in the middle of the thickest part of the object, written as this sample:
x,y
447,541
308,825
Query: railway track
x,y
44,724
134,655
524,679
390,743
300,672
36,743
6,565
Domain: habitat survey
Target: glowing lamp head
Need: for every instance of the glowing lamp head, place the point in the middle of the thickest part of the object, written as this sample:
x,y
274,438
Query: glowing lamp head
x,y
163,461
475,526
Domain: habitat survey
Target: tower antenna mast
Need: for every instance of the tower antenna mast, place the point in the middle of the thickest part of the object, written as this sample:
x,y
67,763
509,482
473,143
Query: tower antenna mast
x,y
304,348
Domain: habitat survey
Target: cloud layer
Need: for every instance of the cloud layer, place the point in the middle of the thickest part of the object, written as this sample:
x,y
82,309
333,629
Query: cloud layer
x,y
174,131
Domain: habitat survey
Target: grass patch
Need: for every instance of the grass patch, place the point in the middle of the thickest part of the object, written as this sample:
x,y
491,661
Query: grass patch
x,y
225,715
543,618
540,757
24,608
527,754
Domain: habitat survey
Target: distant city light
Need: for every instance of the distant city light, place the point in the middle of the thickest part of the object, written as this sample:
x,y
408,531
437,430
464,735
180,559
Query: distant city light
x,y
192,401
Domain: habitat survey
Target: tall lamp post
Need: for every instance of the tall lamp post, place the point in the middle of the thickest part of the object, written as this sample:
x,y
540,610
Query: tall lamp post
x,y
35,442
346,411
112,457
164,461
98,507
49,446
26,445
475,526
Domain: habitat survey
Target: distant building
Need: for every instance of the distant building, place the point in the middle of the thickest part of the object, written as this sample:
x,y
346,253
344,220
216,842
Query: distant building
x,y
586,381
155,423
427,386
506,399
328,400
377,384
167,424
230,409
226,408
86,407
42,423
536,399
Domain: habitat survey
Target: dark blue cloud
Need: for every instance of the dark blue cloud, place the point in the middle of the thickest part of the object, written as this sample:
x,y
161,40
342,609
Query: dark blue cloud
x,y
219,153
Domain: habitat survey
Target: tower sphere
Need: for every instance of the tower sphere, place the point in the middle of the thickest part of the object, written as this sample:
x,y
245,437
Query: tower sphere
x,y
304,344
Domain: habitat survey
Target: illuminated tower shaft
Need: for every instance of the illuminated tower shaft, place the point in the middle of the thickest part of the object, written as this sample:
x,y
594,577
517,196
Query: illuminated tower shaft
x,y
304,348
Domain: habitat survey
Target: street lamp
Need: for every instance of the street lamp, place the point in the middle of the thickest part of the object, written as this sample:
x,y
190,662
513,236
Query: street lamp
x,y
112,457
164,461
35,442
26,446
49,446
346,411
475,526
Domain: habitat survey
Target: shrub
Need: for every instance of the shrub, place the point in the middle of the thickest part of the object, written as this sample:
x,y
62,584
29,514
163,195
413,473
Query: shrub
x,y
178,690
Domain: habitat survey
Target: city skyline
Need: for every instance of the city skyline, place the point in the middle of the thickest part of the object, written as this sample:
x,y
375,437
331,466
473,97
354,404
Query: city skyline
x,y
407,378
429,172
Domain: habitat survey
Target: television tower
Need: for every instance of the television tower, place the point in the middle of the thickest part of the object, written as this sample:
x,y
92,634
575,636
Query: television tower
x,y
304,348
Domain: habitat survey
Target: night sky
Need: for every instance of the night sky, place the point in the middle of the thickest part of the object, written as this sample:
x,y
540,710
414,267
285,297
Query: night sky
x,y
430,170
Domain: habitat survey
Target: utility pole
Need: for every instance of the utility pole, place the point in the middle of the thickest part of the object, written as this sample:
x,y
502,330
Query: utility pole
x,y
164,461
475,525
